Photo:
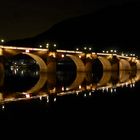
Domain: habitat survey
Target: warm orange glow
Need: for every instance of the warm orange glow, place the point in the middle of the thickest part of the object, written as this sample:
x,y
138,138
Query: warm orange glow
x,y
52,54
88,87
53,90
89,56
110,57
1,51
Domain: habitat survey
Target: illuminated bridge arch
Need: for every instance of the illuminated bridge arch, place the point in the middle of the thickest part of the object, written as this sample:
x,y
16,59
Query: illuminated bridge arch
x,y
39,60
124,65
138,64
78,62
105,63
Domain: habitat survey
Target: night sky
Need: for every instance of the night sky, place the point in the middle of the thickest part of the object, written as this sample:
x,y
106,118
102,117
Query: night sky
x,y
22,19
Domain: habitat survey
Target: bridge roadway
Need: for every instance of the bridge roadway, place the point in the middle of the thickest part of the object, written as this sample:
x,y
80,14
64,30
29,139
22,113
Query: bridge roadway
x,y
47,59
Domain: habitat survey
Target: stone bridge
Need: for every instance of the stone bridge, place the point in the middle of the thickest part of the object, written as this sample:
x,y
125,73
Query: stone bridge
x,y
84,62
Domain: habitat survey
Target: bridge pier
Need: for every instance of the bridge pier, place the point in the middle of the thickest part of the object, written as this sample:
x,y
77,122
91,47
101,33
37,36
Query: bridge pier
x,y
51,64
88,66
114,63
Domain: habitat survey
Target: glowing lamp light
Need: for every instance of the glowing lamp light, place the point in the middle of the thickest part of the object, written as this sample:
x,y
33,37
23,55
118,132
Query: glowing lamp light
x,y
54,99
80,87
40,46
27,51
3,107
67,89
2,40
77,92
1,52
27,95
40,97
62,88
89,93
62,55
53,55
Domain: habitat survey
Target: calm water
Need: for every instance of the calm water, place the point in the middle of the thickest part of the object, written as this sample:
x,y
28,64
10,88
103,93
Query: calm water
x,y
30,94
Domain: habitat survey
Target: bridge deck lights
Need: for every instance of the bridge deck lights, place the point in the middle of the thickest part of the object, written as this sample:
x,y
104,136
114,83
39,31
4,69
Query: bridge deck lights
x,y
85,48
27,51
62,55
40,46
27,95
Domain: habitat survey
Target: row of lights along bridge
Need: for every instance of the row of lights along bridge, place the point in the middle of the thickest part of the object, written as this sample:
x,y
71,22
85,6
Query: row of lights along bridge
x,y
53,47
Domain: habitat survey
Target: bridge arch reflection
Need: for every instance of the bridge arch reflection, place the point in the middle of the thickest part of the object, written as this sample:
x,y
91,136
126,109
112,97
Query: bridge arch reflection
x,y
81,83
124,65
39,60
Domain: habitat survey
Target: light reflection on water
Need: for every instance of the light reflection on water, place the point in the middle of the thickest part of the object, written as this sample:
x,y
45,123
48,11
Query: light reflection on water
x,y
46,86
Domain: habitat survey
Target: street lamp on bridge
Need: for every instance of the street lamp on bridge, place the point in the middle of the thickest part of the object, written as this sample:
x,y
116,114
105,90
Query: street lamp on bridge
x,y
2,41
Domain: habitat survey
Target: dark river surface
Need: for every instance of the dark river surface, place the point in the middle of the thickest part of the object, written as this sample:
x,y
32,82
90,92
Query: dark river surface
x,y
28,94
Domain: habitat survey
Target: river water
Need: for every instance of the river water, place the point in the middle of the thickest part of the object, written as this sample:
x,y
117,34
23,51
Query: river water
x,y
26,93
